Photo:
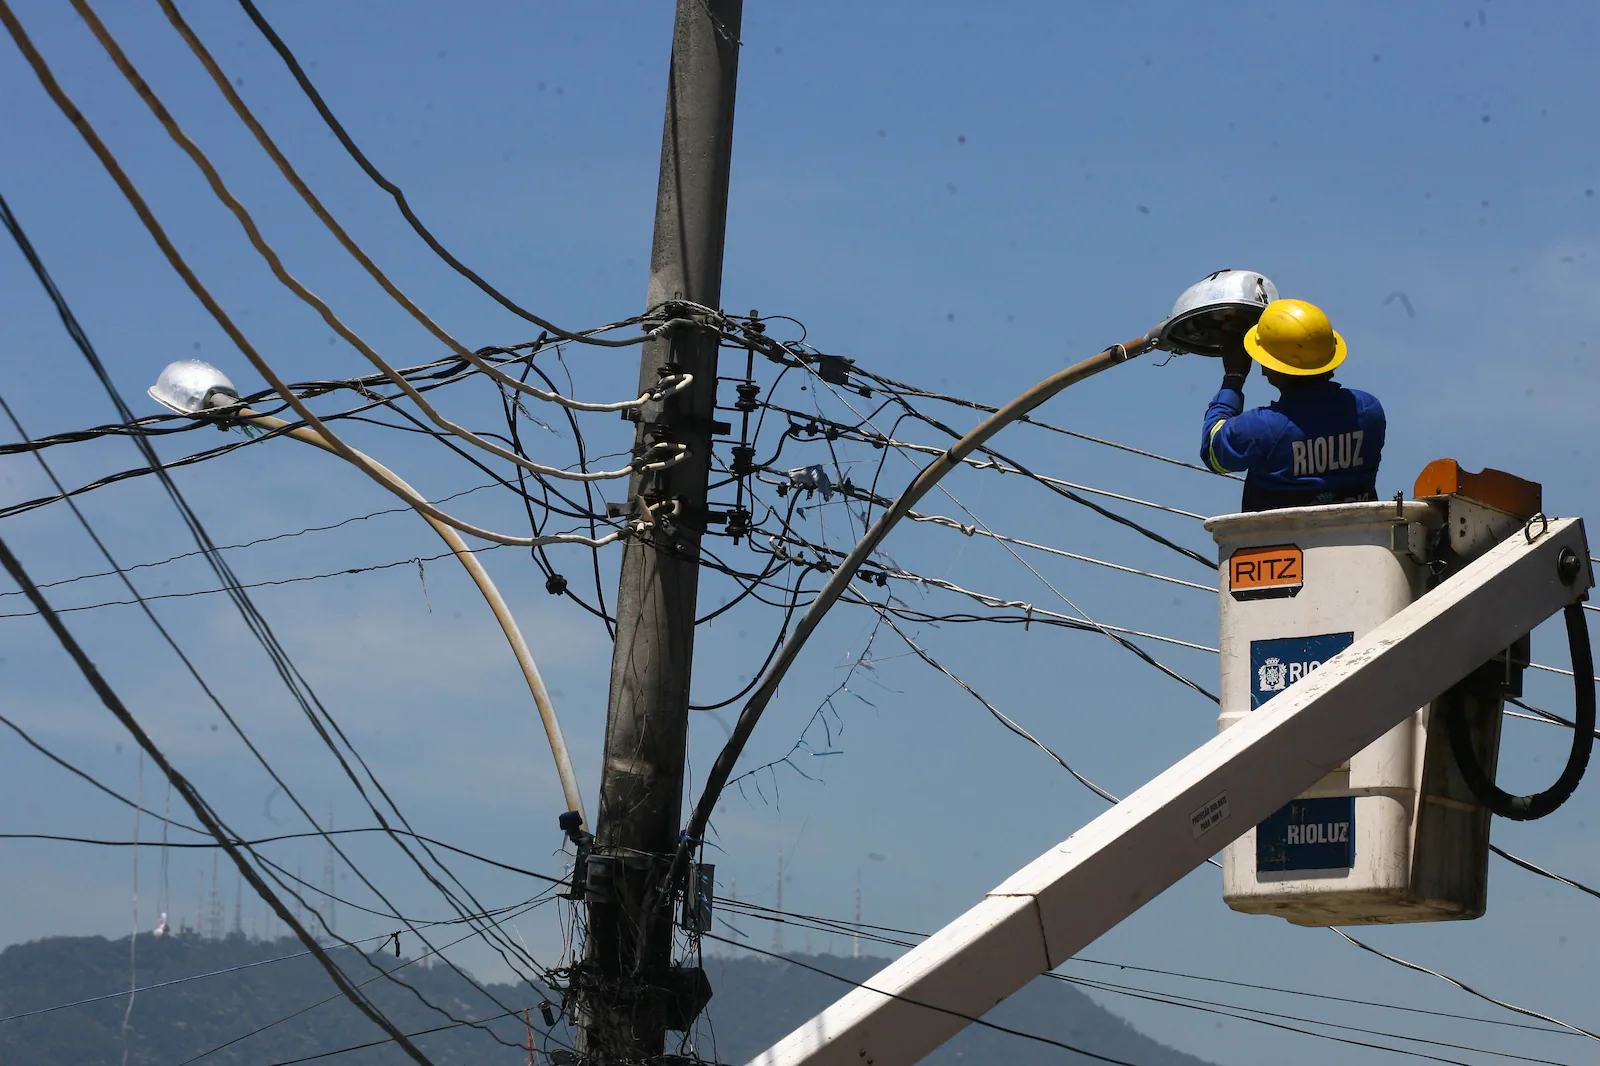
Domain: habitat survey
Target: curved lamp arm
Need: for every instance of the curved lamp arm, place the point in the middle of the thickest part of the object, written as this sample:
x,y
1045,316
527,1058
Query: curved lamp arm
x,y
480,577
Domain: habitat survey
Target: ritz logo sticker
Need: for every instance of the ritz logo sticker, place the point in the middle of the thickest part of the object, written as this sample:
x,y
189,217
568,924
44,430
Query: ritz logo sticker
x,y
1264,573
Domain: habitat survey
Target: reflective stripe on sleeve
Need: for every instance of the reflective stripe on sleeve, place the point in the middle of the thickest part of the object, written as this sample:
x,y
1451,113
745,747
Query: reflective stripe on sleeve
x,y
1211,447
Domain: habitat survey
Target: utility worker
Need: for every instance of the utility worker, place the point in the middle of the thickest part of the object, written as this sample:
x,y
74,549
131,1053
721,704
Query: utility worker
x,y
1319,442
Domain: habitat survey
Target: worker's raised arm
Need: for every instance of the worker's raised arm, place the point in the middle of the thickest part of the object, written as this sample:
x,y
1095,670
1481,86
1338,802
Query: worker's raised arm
x,y
1222,448
1231,440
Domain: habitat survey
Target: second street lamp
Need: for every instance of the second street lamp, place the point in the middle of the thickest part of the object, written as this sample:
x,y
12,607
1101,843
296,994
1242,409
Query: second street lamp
x,y
198,389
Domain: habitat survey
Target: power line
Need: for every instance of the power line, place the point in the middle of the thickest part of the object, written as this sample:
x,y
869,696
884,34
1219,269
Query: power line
x,y
843,927
478,1024
1032,613
281,272
1063,1045
198,976
243,544
1217,1008
914,390
255,621
1465,988
849,491
344,138
998,715
881,440
1542,872
1113,799
213,824
293,679
380,1043
1212,1007
270,583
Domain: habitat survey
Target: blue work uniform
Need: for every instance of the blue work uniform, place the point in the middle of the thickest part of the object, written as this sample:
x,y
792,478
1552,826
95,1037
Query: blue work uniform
x,y
1318,443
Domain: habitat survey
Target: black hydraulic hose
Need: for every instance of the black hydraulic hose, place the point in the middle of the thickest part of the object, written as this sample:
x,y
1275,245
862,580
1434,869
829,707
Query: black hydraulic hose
x,y
1527,808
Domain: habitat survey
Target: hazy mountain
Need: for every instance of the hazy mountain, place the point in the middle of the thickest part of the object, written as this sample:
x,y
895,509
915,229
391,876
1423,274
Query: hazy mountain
x,y
755,1002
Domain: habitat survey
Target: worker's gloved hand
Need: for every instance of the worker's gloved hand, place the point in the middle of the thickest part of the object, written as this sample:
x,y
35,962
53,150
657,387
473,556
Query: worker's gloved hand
x,y
1236,362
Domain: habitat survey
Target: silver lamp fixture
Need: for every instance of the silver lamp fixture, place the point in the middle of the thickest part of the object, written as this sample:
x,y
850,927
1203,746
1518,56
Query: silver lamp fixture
x,y
193,387
1214,311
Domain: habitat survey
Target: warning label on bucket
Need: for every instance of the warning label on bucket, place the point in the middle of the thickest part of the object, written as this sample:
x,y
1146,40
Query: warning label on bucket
x,y
1263,573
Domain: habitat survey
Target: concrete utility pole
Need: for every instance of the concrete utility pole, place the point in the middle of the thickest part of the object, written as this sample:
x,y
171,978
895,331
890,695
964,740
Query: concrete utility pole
x,y
629,996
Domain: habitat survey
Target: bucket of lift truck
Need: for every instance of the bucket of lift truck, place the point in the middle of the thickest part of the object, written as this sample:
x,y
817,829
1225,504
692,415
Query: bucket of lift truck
x,y
1393,835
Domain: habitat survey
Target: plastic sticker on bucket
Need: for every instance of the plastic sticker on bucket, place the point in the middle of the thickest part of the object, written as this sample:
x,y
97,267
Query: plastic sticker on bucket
x,y
1278,663
1264,573
1308,834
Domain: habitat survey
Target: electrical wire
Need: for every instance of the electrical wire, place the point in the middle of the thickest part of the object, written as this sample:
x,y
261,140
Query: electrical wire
x,y
999,715
512,408
379,1043
200,976
969,1019
1220,1009
666,387
840,926
519,909
212,822
1223,1009
270,583
1547,717
974,405
1542,872
285,669
143,603
252,844
135,428
280,271
1395,959
880,440
141,208
1541,804
344,138
973,529
1466,988
1032,613
243,544
257,842
254,620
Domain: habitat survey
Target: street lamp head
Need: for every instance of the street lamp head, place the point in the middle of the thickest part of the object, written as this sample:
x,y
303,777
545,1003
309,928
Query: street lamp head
x,y
1215,311
192,387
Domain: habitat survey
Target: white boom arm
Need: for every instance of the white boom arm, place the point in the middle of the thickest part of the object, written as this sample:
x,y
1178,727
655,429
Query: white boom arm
x,y
1062,901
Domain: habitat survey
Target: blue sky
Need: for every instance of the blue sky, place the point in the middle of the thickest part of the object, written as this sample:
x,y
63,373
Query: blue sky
x,y
959,197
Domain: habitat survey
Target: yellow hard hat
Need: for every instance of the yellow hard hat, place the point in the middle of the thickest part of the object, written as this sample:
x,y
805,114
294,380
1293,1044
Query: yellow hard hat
x,y
1295,337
